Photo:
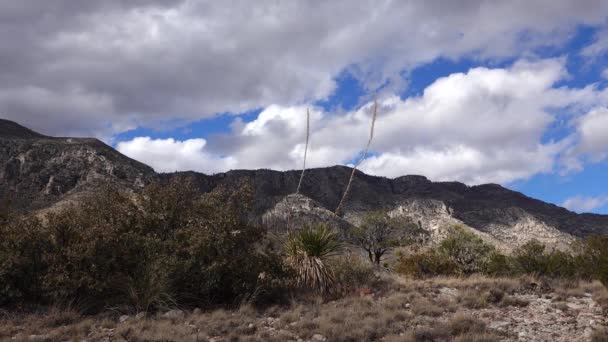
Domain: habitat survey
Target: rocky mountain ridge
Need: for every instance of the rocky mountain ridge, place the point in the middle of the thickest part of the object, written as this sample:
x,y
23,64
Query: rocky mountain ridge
x,y
38,172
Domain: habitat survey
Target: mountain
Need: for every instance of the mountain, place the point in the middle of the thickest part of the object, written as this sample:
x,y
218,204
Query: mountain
x,y
41,171
37,171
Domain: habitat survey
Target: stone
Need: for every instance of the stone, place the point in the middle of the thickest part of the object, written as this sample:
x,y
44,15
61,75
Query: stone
x,y
174,314
319,338
499,324
123,318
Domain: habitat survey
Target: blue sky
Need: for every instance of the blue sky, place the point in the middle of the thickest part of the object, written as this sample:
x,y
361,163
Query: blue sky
x,y
551,187
465,92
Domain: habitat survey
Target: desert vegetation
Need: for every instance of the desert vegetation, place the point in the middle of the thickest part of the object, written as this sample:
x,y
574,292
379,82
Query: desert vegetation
x,y
167,264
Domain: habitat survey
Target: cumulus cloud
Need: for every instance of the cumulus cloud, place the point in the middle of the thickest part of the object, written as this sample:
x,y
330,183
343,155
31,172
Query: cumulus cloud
x,y
592,129
168,155
101,67
486,125
585,204
589,141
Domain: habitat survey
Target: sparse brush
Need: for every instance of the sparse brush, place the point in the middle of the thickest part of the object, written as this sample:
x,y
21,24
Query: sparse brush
x,y
352,175
308,251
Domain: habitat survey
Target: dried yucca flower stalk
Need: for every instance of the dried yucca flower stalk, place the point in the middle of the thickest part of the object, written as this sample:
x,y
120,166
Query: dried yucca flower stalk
x,y
305,149
352,175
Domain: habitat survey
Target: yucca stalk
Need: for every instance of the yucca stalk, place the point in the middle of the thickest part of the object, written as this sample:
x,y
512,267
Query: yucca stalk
x,y
308,251
305,149
365,151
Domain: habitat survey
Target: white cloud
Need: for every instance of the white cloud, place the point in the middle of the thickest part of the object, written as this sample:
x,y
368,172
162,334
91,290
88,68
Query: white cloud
x,y
168,155
161,60
593,129
585,204
605,73
590,141
486,125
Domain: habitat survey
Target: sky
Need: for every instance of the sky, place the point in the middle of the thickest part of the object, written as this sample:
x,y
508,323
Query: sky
x,y
477,91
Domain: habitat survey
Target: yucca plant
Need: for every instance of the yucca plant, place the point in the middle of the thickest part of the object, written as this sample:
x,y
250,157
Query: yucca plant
x,y
308,251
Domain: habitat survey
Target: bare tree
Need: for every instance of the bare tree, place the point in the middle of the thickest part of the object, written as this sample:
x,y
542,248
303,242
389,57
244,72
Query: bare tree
x,y
352,175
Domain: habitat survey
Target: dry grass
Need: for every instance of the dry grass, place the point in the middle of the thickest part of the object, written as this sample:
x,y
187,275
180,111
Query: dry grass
x,y
600,335
406,310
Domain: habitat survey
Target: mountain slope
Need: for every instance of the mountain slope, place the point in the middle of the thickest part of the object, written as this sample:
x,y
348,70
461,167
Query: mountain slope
x,y
483,207
40,171
37,171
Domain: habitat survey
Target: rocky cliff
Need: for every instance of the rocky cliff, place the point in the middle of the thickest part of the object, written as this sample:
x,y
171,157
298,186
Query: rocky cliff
x,y
37,171
40,171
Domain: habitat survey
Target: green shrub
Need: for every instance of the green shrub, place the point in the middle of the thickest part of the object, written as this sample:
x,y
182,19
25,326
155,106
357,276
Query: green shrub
x,y
23,247
499,265
531,258
352,272
594,258
561,264
466,250
379,233
426,264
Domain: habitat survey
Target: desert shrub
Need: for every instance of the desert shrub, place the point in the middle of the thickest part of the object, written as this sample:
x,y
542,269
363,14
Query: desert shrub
x,y
466,250
460,253
144,250
533,258
426,264
379,233
593,258
23,245
351,272
96,247
499,265
561,264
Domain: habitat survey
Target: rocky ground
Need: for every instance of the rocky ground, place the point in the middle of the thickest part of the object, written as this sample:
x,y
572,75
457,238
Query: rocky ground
x,y
441,309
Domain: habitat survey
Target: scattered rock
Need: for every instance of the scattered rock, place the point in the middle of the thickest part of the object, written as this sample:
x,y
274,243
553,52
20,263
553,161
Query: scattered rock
x,y
319,338
499,325
174,314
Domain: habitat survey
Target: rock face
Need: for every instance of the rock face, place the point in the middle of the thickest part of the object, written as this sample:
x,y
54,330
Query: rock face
x,y
499,215
297,210
37,171
40,171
